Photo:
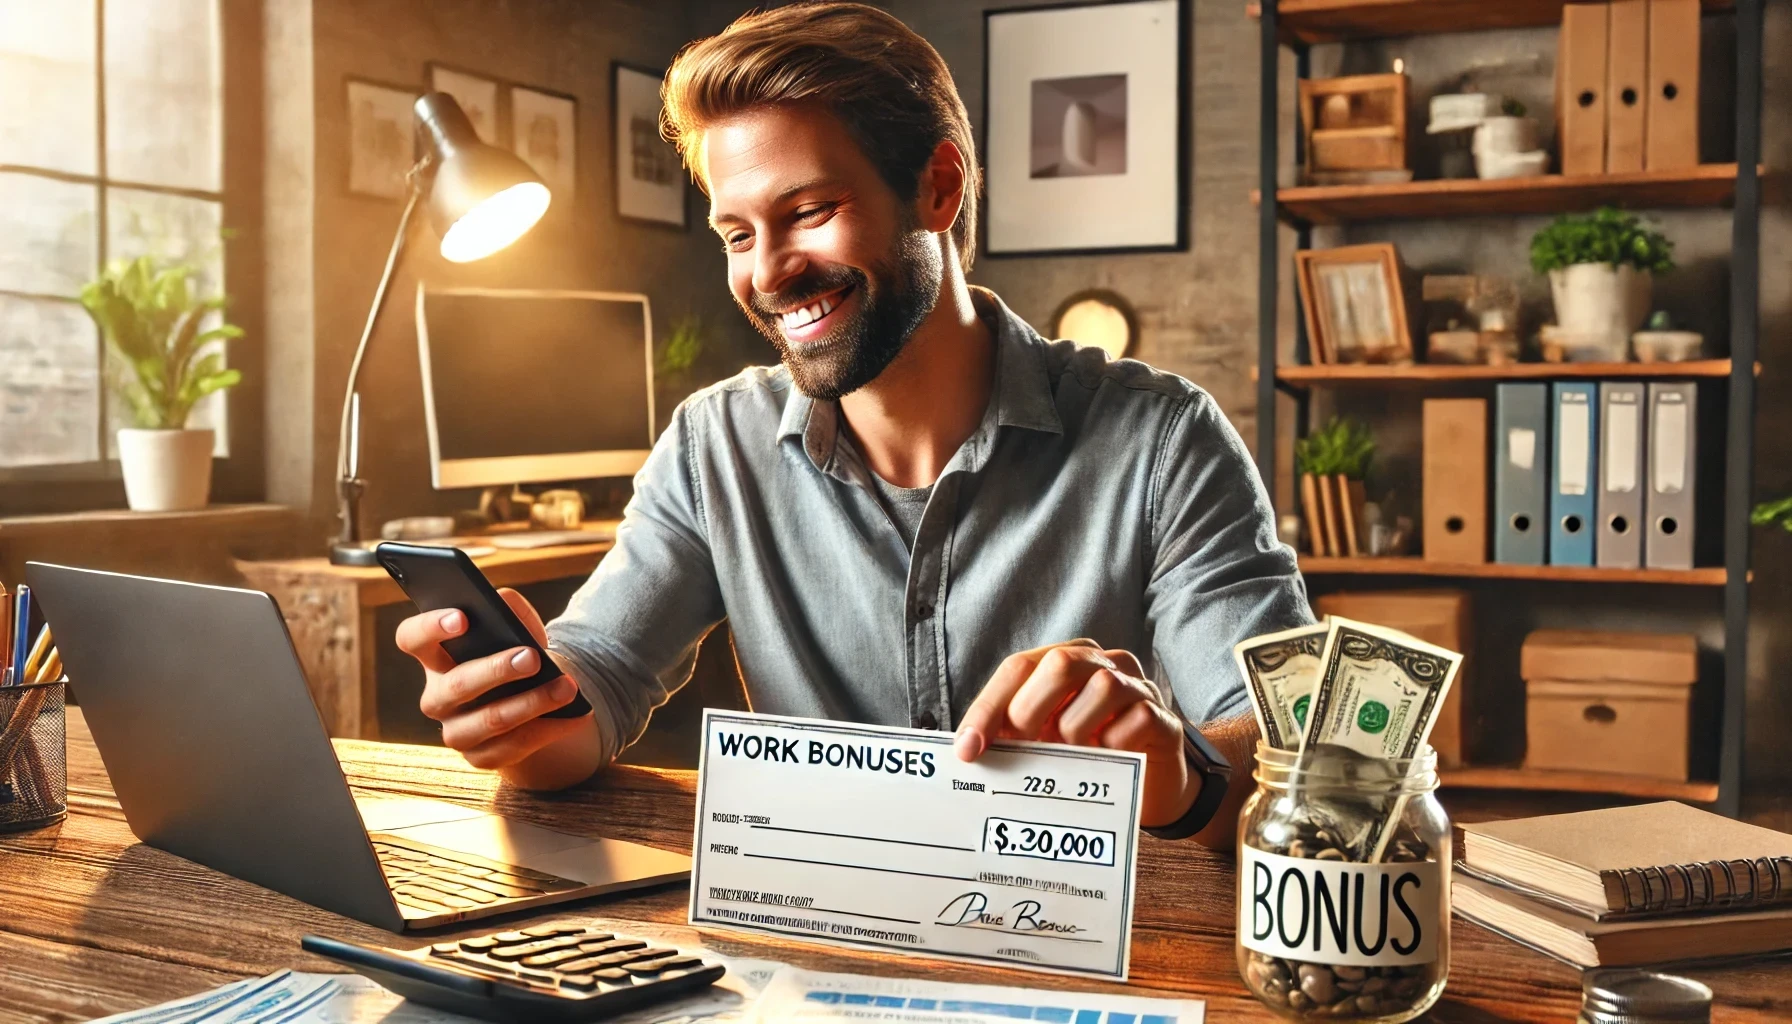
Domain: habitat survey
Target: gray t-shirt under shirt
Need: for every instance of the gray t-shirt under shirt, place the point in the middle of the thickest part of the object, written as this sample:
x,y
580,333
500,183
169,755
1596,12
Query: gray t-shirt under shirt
x,y
905,505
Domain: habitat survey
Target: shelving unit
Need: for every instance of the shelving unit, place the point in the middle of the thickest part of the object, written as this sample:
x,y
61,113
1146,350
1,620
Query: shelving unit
x,y
1301,23
1705,185
1312,565
1425,373
1304,22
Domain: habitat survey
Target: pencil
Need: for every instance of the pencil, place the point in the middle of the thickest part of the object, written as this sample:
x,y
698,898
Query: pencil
x,y
5,631
34,660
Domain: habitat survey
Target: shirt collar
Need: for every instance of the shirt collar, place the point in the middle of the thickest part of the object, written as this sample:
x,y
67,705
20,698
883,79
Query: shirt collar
x,y
1022,396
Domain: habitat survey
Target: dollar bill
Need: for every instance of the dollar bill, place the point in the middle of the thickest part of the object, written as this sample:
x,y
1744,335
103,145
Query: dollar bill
x,y
1281,670
1379,693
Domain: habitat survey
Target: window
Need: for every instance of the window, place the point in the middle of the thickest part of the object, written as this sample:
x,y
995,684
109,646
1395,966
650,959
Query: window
x,y
110,147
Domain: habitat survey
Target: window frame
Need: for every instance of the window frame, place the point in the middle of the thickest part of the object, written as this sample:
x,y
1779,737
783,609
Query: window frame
x,y
98,484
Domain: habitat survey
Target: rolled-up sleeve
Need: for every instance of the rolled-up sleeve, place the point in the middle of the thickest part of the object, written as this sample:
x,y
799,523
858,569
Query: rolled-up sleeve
x,y
1219,574
629,635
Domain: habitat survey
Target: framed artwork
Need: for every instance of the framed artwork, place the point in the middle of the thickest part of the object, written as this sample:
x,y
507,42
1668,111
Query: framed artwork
x,y
380,146
544,132
1354,305
650,178
477,96
1086,115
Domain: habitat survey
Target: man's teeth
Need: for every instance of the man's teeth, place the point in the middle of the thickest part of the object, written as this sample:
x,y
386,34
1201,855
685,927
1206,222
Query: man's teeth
x,y
810,313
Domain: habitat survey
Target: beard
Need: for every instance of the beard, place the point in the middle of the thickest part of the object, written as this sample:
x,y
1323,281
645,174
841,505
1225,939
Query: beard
x,y
894,298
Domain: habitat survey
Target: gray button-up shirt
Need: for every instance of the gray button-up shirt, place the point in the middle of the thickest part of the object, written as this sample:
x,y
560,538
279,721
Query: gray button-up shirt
x,y
1097,498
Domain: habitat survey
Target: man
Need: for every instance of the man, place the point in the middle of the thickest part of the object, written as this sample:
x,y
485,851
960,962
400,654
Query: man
x,y
909,520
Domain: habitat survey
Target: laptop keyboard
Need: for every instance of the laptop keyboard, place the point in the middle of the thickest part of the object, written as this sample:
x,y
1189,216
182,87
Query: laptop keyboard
x,y
437,881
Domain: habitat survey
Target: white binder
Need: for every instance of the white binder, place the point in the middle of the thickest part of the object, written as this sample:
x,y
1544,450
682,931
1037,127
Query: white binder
x,y
1620,506
1673,475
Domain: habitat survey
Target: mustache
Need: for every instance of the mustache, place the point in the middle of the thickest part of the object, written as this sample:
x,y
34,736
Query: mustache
x,y
812,285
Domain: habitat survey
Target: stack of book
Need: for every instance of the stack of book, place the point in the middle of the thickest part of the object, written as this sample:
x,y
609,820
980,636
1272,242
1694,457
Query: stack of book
x,y
1625,886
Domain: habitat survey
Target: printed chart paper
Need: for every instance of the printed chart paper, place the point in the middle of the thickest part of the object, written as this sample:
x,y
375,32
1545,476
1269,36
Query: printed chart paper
x,y
881,838
795,996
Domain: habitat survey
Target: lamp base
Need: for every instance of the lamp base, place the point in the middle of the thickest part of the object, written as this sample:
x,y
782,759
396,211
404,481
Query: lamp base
x,y
359,553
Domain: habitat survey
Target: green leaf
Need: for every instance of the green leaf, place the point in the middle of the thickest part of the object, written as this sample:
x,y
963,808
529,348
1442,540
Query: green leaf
x,y
1768,513
1604,236
1342,446
219,381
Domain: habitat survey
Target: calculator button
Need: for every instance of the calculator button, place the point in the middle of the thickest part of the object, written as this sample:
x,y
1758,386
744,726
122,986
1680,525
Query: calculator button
x,y
444,948
511,937
478,945
558,956
609,945
546,931
680,963
578,981
581,965
531,948
611,974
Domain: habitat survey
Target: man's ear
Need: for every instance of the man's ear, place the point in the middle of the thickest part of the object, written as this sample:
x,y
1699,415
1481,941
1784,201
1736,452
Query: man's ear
x,y
941,191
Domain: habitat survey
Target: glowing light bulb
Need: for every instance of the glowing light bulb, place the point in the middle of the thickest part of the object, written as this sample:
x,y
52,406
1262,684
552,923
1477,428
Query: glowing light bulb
x,y
495,223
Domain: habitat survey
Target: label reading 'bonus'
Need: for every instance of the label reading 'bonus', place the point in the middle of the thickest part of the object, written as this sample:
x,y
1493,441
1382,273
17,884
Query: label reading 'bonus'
x,y
1334,912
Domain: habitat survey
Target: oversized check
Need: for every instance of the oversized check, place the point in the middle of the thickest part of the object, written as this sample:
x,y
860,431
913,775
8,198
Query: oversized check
x,y
882,838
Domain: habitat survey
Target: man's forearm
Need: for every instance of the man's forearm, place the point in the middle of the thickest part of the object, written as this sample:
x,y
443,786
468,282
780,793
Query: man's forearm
x,y
566,762
1236,738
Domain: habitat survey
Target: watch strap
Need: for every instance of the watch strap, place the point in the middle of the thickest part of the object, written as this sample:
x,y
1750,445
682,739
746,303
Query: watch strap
x,y
1216,778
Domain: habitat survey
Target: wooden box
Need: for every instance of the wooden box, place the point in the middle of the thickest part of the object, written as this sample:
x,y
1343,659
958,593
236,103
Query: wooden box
x,y
1589,655
1441,616
1355,123
1628,728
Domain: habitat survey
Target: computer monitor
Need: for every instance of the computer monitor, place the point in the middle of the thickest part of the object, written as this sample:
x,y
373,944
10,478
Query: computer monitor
x,y
526,386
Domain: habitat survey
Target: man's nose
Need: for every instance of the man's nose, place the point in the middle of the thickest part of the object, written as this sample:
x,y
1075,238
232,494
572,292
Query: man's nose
x,y
774,266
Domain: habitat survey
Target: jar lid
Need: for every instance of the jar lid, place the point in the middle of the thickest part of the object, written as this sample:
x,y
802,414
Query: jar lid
x,y
1642,997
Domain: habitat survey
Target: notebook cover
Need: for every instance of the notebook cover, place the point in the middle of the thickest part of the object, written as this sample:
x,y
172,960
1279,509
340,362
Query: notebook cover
x,y
1613,842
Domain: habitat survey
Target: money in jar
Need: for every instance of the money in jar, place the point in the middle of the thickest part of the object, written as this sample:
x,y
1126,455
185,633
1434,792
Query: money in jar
x,y
1328,930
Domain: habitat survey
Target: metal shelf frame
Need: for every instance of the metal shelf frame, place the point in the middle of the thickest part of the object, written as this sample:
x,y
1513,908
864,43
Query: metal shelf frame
x,y
1745,289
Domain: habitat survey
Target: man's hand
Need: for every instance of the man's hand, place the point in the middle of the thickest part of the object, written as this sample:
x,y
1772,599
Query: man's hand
x,y
508,735
1078,693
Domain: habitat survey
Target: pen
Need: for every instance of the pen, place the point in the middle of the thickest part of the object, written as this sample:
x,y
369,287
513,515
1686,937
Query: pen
x,y
5,637
21,632
29,670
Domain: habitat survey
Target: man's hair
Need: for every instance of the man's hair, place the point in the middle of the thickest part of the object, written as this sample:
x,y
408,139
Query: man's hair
x,y
889,87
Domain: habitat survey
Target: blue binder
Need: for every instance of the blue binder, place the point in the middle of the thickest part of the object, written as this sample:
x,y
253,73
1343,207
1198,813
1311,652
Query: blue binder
x,y
1573,473
1521,473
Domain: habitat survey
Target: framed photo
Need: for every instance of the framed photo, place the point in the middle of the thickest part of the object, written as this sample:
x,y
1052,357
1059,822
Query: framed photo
x,y
476,95
1354,305
380,146
544,132
1086,116
650,179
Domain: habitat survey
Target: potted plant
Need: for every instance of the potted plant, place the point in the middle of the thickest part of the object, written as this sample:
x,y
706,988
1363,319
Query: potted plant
x,y
1601,269
1772,513
162,361
1333,462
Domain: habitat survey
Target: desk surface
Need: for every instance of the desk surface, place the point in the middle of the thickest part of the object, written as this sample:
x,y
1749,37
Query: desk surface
x,y
95,923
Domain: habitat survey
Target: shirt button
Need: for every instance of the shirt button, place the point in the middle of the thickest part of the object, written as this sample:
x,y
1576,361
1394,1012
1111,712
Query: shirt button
x,y
923,611
927,721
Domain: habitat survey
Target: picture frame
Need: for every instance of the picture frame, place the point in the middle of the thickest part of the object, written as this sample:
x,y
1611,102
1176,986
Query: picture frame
x,y
381,147
1354,304
544,132
651,183
478,96
1086,108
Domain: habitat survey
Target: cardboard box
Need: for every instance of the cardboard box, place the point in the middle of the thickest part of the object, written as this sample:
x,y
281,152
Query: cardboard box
x,y
1627,728
1442,616
1591,656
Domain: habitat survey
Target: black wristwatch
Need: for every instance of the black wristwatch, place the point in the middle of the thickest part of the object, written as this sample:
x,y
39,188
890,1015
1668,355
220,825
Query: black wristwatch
x,y
1216,777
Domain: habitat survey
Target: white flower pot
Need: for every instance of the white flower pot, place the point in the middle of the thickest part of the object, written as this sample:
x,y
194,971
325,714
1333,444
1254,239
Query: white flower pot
x,y
1598,307
166,470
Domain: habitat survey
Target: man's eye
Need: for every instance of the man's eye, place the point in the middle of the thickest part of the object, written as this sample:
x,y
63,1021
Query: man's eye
x,y
816,212
736,241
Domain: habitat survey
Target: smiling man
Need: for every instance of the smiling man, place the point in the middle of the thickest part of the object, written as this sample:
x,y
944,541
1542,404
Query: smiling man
x,y
927,515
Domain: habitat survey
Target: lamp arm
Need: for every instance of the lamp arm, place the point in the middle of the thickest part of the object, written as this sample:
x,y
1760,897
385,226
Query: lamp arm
x,y
348,487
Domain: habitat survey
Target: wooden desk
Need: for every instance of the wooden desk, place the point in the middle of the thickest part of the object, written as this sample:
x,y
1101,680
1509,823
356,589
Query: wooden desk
x,y
95,923
329,610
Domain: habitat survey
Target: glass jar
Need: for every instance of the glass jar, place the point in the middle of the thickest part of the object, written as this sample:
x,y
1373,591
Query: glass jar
x,y
1326,929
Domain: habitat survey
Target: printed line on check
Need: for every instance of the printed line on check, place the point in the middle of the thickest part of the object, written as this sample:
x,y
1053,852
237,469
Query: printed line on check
x,y
1050,796
869,839
859,867
1030,935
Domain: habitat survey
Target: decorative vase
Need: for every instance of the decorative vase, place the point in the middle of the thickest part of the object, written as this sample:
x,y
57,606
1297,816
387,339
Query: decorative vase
x,y
1506,147
166,470
1598,307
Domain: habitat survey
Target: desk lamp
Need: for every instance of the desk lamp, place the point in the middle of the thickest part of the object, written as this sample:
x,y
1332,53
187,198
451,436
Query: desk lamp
x,y
481,199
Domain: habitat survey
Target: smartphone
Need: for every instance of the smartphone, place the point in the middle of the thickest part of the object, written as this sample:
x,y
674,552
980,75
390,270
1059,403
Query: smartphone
x,y
438,578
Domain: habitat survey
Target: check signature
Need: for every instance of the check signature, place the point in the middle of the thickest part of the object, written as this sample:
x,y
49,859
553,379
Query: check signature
x,y
971,910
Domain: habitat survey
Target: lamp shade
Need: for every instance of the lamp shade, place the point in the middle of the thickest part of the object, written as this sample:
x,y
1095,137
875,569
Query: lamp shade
x,y
481,198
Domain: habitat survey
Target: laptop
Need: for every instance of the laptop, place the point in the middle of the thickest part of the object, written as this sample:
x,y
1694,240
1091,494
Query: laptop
x,y
200,709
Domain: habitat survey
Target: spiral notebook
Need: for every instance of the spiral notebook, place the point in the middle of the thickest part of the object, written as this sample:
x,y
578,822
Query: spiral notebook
x,y
1648,859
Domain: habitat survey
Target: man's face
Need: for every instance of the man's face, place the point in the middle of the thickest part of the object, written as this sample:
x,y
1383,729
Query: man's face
x,y
823,256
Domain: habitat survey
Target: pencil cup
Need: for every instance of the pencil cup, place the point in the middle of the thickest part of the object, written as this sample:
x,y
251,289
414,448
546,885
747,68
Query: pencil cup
x,y
33,756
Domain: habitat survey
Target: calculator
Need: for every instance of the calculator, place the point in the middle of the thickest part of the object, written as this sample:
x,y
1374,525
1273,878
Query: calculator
x,y
554,972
